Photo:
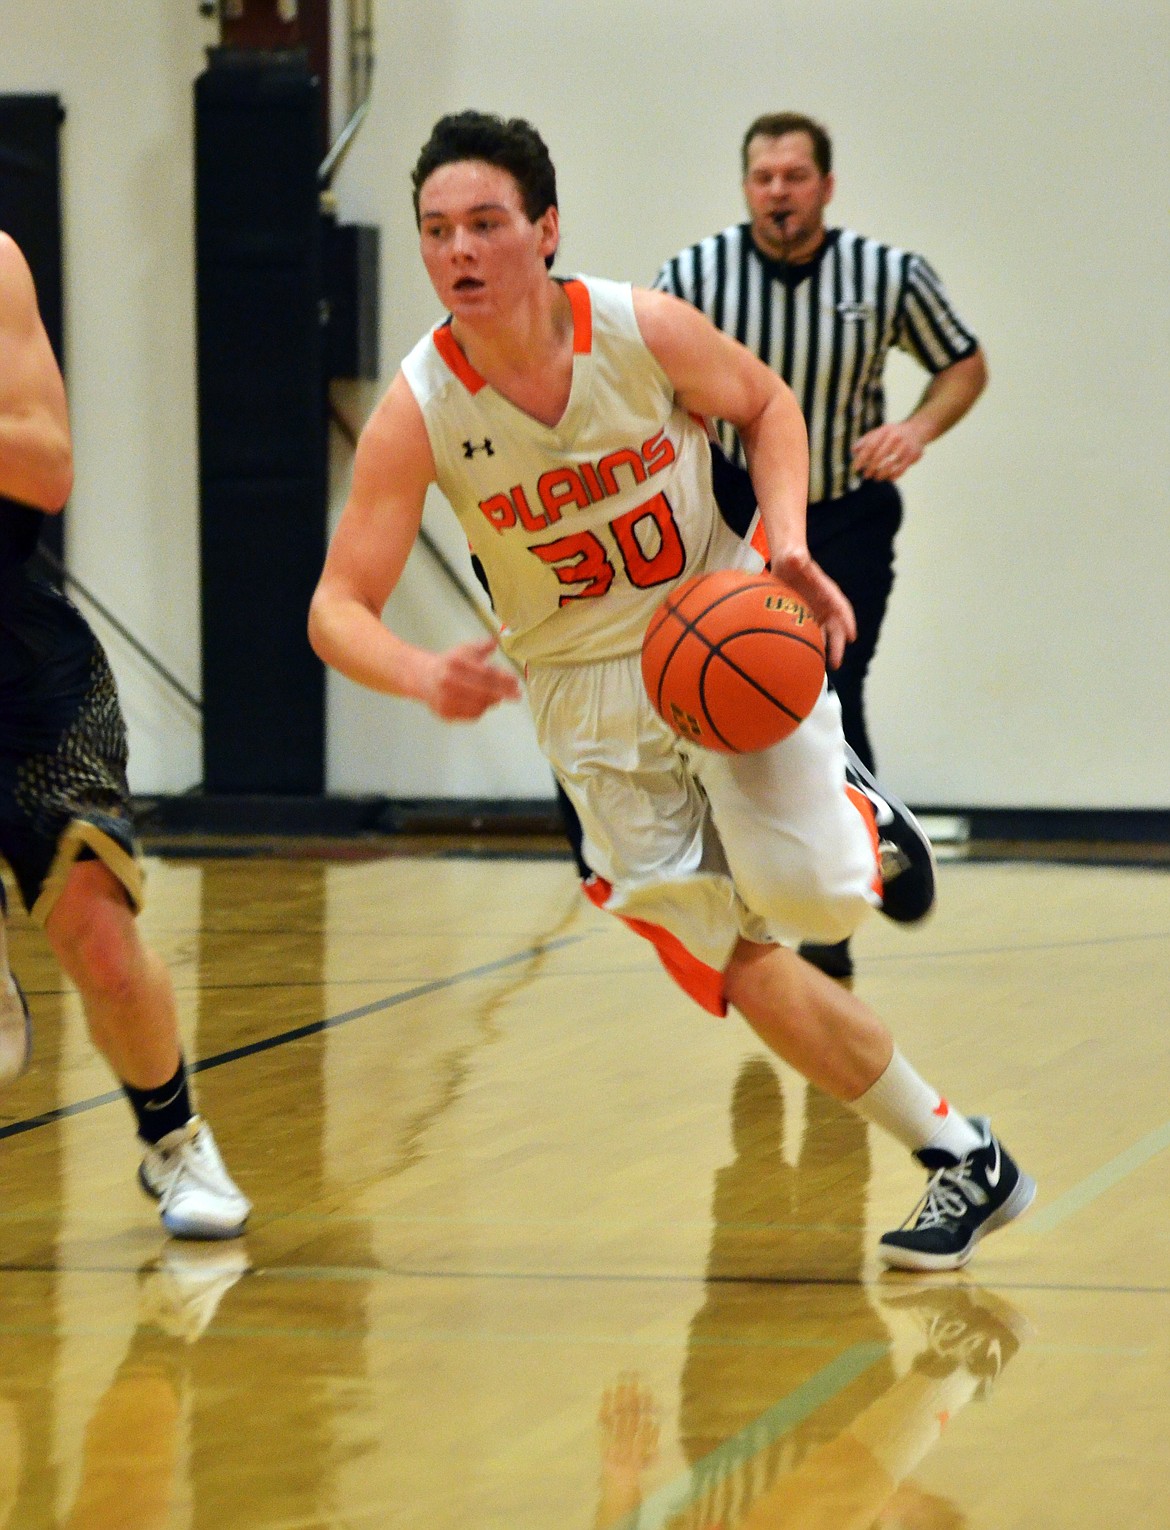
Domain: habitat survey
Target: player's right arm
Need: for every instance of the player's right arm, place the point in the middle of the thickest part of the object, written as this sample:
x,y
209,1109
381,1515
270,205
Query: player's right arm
x,y
36,456
393,468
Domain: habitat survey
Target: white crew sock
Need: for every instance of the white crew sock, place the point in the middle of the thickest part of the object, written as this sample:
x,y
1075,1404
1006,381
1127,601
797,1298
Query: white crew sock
x,y
905,1105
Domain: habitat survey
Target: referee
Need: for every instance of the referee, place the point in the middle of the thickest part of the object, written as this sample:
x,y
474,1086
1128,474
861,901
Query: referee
x,y
823,306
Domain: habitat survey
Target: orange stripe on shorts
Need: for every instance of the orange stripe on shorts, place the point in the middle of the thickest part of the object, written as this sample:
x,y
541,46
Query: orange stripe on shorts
x,y
865,807
700,982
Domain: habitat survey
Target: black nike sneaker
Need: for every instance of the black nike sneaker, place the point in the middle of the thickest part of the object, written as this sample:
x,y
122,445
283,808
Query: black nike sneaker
x,y
966,1198
907,860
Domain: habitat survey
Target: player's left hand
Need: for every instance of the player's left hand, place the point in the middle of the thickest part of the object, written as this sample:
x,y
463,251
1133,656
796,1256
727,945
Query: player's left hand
x,y
824,598
886,453
461,684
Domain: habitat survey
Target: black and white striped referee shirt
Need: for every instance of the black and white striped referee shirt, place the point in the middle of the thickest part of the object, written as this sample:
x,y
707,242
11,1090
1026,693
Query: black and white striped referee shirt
x,y
826,326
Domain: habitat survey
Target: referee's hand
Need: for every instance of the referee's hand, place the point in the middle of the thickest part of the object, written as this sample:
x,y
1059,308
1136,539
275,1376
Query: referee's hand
x,y
886,453
824,598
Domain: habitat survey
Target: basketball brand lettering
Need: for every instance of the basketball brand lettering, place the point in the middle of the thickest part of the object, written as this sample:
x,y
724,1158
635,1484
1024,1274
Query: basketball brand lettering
x,y
790,607
684,722
567,488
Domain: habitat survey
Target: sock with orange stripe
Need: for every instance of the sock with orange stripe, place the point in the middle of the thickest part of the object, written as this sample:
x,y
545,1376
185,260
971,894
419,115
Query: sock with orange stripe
x,y
905,1105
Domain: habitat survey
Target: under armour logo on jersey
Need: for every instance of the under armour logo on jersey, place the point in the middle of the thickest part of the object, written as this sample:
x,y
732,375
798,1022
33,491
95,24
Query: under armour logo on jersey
x,y
470,448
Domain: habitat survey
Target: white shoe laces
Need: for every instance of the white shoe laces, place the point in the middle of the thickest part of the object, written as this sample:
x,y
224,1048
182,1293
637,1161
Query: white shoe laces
x,y
893,858
948,1194
199,1161
192,1162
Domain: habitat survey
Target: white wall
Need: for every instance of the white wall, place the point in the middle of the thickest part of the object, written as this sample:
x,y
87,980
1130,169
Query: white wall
x,y
1022,147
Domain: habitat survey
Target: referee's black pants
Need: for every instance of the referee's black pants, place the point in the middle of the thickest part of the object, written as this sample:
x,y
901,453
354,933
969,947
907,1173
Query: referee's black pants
x,y
852,538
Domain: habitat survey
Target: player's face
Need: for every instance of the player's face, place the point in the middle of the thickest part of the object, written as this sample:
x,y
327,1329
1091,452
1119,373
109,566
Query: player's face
x,y
481,251
786,196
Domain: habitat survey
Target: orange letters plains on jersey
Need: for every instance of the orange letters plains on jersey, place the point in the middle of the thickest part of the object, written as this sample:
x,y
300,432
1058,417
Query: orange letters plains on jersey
x,y
587,484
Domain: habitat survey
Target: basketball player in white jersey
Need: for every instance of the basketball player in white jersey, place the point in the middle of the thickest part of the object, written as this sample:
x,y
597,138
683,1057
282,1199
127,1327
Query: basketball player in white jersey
x,y
561,419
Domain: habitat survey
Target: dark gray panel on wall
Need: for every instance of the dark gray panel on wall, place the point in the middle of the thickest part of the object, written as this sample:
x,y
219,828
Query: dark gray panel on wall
x,y
262,419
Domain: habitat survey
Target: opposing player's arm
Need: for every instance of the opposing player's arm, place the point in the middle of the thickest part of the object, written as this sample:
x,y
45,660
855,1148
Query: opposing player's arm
x,y
393,468
712,374
36,456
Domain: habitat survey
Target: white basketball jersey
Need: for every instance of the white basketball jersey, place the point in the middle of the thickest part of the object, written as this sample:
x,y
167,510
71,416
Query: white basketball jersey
x,y
581,526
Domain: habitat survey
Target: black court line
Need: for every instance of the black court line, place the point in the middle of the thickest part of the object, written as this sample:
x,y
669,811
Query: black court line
x,y
878,1287
298,1033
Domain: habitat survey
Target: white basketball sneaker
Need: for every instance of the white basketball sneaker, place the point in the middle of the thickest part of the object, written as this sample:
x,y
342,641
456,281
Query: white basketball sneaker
x,y
15,1026
15,1029
186,1176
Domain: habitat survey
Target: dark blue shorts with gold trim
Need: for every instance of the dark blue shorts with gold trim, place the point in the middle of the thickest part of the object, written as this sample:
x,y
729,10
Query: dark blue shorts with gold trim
x,y
63,789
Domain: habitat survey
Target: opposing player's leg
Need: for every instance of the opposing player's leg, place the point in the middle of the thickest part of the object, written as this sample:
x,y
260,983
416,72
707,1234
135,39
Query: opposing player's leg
x,y
124,988
66,831
129,1006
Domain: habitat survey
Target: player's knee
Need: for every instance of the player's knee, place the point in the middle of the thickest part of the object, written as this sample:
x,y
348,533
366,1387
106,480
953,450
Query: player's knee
x,y
99,954
811,905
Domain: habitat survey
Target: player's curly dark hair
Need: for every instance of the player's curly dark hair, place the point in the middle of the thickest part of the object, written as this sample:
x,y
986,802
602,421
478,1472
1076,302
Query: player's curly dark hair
x,y
513,145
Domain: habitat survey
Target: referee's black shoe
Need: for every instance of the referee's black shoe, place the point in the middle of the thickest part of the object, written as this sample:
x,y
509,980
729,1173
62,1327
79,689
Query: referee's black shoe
x,y
965,1199
835,961
907,860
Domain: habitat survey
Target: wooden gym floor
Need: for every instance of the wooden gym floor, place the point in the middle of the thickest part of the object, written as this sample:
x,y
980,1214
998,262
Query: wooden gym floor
x,y
540,1246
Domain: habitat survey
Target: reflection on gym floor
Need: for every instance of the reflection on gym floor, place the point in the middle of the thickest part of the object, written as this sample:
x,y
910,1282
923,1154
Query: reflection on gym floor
x,y
765,1451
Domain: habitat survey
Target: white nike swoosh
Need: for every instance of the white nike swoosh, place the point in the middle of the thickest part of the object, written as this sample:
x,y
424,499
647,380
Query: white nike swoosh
x,y
162,1104
993,1172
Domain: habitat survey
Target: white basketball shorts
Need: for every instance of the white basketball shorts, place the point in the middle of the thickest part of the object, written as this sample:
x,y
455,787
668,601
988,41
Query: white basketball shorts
x,y
695,849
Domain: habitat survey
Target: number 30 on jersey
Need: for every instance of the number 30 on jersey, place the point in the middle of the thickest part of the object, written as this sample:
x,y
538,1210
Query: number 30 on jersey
x,y
648,543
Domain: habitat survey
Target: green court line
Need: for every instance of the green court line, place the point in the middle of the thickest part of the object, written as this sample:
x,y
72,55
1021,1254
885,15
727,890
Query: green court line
x,y
662,1506
1097,1183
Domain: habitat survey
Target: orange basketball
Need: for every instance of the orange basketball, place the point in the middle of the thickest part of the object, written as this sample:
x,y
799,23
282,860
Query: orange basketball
x,y
733,661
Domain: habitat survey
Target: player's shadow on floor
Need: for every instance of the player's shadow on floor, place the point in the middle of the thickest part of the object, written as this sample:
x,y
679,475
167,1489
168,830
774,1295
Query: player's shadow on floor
x,y
784,1294
779,1220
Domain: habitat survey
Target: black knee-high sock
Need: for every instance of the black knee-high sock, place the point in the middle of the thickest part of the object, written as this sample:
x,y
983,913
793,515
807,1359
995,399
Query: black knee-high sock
x,y
162,1110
